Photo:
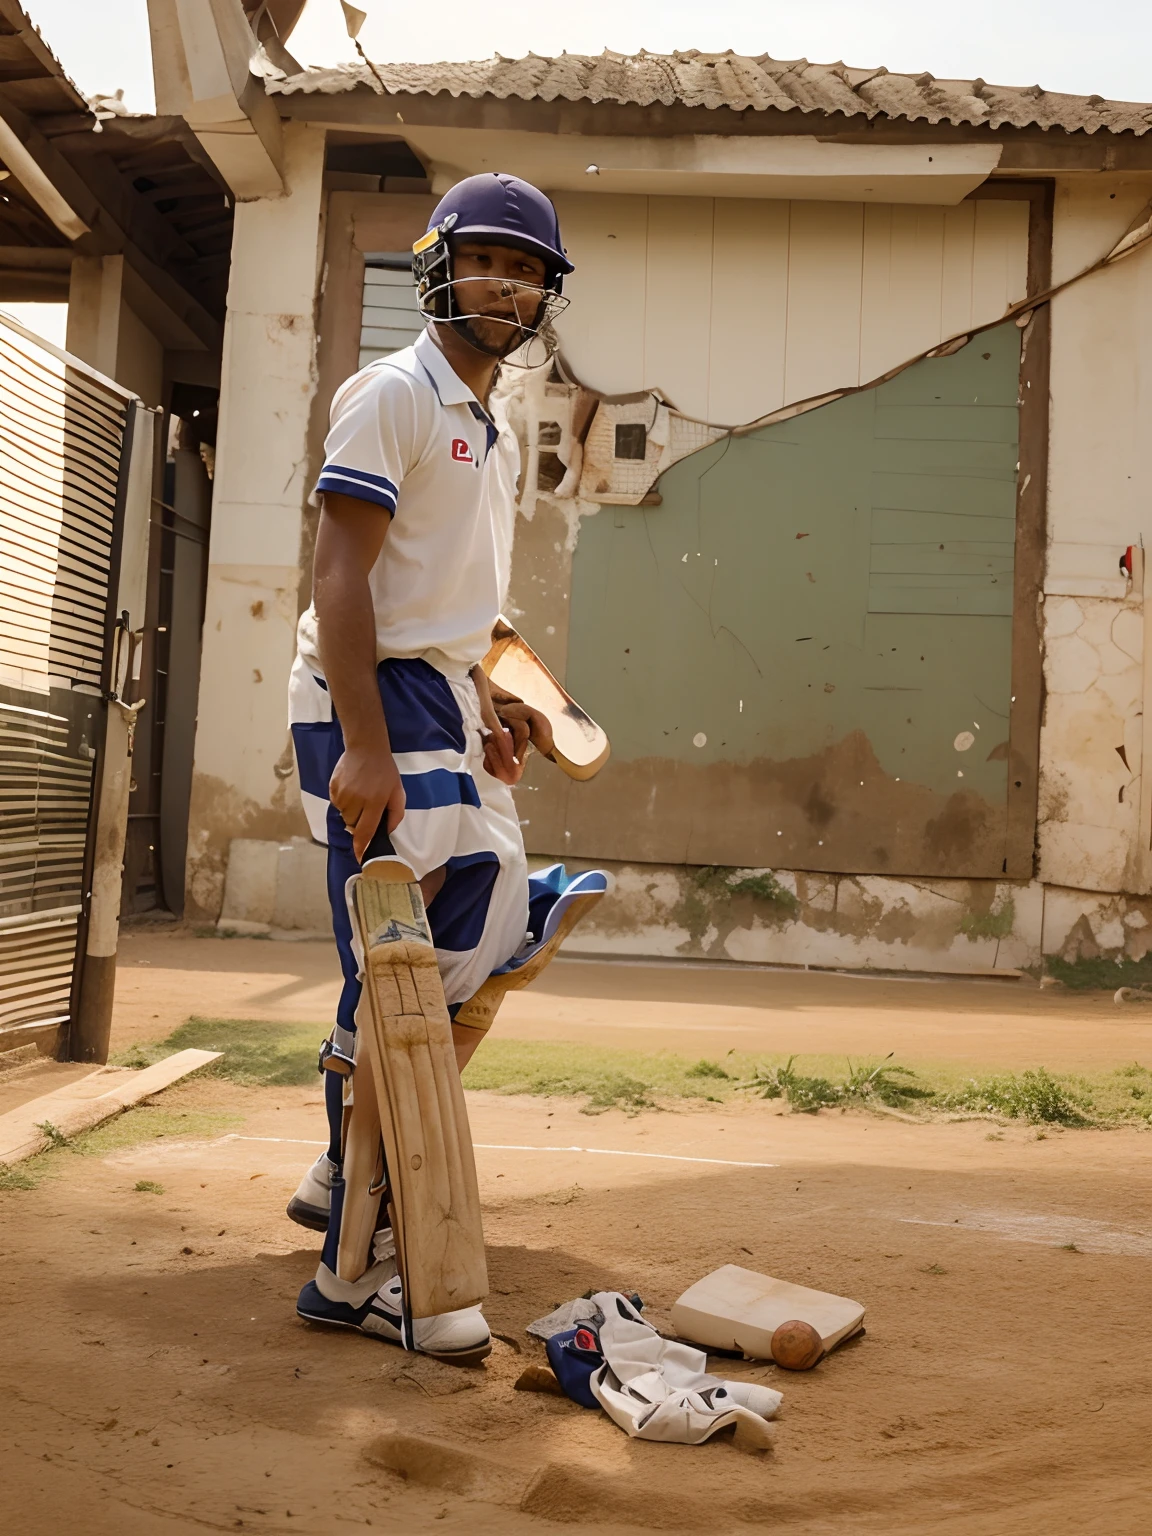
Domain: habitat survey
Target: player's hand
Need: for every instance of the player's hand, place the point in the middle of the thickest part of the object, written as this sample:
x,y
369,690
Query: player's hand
x,y
526,724
366,789
502,757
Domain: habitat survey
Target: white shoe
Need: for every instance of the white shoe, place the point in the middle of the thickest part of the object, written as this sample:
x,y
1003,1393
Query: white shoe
x,y
312,1202
460,1337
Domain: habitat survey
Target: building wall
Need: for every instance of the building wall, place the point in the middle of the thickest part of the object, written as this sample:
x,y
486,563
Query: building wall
x,y
733,307
1094,808
243,782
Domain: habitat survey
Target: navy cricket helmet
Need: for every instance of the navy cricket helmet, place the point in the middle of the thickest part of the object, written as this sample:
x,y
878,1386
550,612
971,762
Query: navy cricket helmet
x,y
496,209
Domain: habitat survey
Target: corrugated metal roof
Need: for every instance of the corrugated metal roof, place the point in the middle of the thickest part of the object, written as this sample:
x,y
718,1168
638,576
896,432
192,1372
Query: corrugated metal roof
x,y
737,81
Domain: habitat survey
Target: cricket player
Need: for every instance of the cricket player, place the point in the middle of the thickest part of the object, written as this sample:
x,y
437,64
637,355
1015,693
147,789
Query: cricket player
x,y
392,717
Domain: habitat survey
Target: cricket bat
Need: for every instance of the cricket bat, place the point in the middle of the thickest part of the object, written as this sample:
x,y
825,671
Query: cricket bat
x,y
581,747
409,1058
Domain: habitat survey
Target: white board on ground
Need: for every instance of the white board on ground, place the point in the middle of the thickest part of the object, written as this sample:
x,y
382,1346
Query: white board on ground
x,y
734,1308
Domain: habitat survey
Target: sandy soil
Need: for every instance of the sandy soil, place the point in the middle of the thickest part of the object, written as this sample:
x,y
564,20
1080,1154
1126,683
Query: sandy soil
x,y
158,1380
693,1009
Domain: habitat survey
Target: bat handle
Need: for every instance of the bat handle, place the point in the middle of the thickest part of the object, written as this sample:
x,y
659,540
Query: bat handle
x,y
380,846
381,861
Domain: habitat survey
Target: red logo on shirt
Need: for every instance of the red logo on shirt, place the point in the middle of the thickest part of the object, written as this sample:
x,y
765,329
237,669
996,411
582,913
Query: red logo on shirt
x,y
461,452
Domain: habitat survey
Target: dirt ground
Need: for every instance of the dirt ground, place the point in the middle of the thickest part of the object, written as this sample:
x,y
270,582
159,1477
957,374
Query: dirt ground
x,y
1001,1384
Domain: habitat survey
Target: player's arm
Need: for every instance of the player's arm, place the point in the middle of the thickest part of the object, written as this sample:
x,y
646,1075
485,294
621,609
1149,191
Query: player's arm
x,y
511,725
365,785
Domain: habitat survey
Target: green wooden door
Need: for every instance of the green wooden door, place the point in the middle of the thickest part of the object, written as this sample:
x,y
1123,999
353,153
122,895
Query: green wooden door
x,y
803,655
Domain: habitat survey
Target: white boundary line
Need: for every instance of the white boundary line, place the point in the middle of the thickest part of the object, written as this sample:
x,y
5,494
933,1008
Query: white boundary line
x,y
488,1146
666,1157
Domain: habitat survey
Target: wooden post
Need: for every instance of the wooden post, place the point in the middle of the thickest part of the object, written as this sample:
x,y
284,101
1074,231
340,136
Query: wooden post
x,y
128,584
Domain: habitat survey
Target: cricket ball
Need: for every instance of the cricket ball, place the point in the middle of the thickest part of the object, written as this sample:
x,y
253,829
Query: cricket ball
x,y
796,1345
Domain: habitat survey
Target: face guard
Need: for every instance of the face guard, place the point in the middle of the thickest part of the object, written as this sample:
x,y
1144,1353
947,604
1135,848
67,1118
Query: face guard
x,y
444,297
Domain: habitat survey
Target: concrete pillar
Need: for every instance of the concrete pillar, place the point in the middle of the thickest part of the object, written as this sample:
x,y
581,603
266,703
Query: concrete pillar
x,y
106,332
243,779
94,299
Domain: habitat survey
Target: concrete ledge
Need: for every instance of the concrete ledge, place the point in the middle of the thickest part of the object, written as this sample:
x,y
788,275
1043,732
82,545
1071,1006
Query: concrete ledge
x,y
276,890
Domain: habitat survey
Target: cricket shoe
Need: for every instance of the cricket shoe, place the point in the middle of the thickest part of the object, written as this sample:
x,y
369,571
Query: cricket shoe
x,y
310,1205
460,1337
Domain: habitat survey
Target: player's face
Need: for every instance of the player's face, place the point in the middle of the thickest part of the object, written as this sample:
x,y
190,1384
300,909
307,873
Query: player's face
x,y
496,280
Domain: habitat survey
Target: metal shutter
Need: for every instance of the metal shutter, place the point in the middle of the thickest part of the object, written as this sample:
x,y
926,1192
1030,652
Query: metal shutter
x,y
62,440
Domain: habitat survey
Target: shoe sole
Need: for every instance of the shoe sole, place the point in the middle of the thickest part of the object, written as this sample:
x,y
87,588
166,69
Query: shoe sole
x,y
472,1356
314,1217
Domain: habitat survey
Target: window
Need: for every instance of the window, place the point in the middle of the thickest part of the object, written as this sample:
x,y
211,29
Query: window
x,y
390,319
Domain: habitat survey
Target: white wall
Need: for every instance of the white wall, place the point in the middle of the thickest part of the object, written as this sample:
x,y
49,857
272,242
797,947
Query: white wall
x,y
1094,806
734,307
244,784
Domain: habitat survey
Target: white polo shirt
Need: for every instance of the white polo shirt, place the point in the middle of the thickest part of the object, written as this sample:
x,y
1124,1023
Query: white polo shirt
x,y
409,436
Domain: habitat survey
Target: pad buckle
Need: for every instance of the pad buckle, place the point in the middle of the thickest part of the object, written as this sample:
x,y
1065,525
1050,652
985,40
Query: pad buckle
x,y
333,1059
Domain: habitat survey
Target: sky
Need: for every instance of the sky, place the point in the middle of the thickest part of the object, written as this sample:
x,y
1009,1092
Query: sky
x,y
1062,45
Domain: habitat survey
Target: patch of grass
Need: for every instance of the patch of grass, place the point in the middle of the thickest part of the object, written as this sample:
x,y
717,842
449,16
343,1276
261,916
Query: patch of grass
x,y
626,1079
1101,974
1035,1095
148,1187
707,1069
151,1122
619,1091
144,1123
16,1178
1069,1247
933,1269
255,1053
996,923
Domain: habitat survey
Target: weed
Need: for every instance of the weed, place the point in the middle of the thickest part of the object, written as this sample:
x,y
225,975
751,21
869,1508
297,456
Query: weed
x,y
764,886
148,1187
1034,1095
761,884
994,1136
1069,1247
15,1178
54,1136
707,1069
996,923
892,1085
806,1095
933,1269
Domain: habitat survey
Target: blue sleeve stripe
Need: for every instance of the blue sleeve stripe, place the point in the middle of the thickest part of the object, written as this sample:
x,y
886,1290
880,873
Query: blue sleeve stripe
x,y
439,787
333,482
381,481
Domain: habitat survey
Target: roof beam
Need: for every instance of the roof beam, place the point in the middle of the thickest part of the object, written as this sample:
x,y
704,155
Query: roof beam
x,y
1031,150
118,221
202,53
24,151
